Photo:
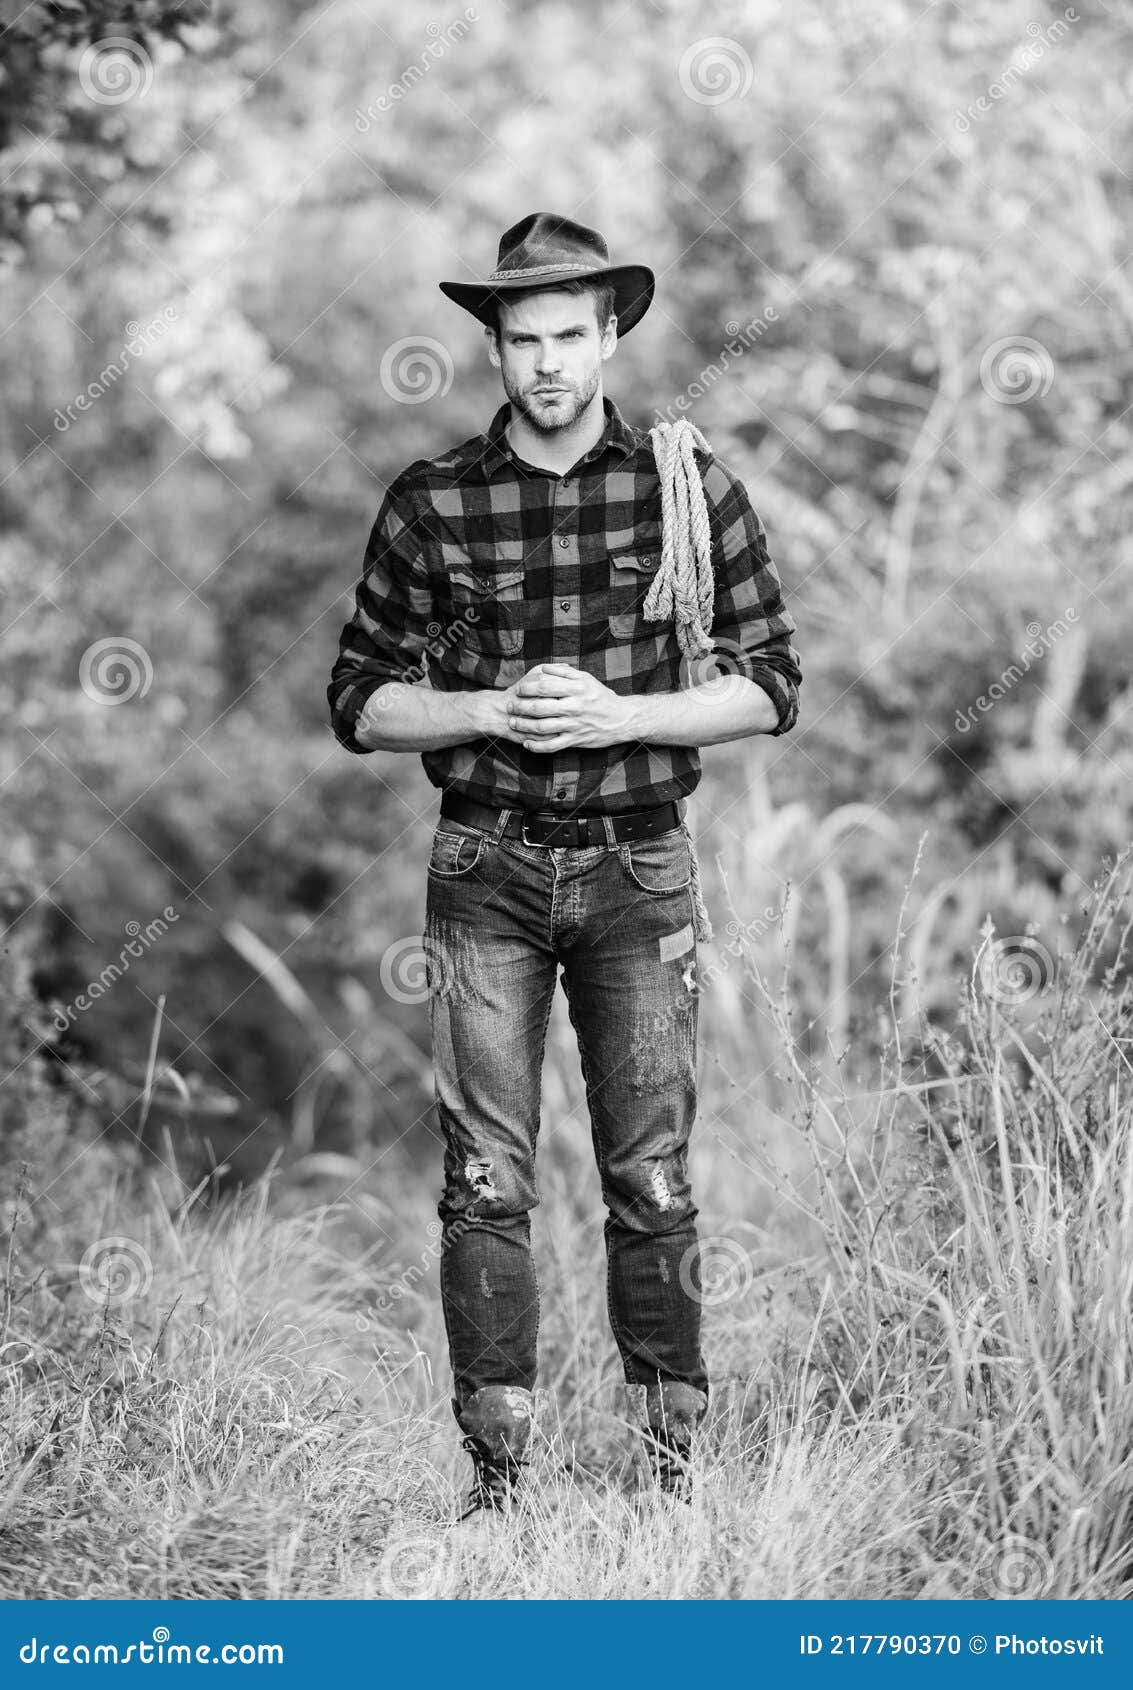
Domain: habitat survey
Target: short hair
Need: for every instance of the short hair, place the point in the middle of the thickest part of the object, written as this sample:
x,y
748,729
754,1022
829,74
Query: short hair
x,y
603,292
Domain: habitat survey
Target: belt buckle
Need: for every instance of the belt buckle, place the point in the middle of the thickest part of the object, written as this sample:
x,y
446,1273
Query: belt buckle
x,y
523,832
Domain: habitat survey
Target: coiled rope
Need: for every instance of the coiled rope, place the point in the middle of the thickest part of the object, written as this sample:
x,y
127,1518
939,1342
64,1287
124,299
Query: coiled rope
x,y
683,589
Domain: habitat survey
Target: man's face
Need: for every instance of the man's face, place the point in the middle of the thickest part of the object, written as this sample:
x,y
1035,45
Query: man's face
x,y
550,353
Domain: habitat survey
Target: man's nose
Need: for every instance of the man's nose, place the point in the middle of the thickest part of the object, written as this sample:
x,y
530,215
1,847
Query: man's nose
x,y
548,358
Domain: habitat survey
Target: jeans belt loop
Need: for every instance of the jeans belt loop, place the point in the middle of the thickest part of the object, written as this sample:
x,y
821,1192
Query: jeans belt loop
x,y
500,824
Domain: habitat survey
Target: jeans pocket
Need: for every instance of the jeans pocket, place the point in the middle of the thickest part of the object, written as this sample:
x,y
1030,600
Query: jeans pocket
x,y
660,864
455,851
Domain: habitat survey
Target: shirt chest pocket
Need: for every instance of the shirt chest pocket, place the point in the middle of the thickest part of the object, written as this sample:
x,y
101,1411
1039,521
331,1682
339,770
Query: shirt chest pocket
x,y
488,604
631,576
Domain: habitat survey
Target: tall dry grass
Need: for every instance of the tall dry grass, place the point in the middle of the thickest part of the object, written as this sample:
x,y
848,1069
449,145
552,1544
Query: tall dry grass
x,y
917,1307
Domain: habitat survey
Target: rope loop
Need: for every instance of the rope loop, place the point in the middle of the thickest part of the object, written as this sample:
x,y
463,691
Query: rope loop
x,y
684,588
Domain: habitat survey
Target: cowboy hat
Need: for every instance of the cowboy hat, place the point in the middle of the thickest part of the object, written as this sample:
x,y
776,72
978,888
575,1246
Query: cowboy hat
x,y
543,250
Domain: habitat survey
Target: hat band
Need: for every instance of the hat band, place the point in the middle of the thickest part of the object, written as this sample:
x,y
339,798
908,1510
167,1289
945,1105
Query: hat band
x,y
543,270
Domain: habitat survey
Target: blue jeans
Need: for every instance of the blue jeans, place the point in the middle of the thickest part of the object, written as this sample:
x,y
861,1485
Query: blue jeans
x,y
620,919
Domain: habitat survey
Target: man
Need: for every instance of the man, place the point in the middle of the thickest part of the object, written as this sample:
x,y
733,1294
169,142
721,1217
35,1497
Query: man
x,y
560,726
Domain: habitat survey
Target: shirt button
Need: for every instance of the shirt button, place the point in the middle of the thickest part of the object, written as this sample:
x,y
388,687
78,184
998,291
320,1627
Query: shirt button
x,y
564,541
564,604
561,793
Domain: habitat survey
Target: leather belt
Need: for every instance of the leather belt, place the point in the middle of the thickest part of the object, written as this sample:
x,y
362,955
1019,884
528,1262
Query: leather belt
x,y
545,827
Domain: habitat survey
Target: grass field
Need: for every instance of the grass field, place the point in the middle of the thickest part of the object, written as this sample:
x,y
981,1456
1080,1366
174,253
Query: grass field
x,y
917,1306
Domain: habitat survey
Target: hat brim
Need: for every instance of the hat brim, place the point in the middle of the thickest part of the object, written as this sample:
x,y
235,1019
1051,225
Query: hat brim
x,y
633,286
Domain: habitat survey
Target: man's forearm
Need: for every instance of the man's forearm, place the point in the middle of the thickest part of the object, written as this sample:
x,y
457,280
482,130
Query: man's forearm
x,y
730,707
400,717
403,717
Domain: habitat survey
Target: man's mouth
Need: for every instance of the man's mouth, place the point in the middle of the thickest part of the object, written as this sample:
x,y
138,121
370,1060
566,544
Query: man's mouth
x,y
546,392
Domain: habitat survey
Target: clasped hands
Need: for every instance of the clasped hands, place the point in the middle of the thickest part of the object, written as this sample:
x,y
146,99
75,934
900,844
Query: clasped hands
x,y
556,706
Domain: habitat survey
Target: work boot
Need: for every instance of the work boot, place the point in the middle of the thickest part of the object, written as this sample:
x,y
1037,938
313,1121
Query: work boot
x,y
497,1422
672,1413
493,1482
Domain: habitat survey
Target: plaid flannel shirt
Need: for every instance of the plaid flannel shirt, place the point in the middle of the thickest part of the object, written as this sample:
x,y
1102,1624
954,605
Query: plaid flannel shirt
x,y
480,565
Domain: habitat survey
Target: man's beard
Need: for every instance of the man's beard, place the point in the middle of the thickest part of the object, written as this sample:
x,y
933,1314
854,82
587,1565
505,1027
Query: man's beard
x,y
551,419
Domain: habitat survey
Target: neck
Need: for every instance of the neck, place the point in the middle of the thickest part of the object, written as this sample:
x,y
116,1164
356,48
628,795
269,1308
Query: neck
x,y
558,451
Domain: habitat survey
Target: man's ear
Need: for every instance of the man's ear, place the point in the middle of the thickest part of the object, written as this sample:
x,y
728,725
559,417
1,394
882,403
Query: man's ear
x,y
493,340
609,337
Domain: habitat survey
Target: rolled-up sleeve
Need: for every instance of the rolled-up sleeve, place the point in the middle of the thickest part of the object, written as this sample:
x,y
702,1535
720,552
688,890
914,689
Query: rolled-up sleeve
x,y
393,605
750,622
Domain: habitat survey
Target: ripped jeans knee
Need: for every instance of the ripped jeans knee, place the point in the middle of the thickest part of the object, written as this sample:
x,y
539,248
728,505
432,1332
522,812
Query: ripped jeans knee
x,y
485,1188
651,1196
